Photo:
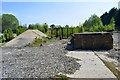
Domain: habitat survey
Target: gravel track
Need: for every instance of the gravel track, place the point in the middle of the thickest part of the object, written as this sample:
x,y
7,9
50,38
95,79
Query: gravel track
x,y
39,62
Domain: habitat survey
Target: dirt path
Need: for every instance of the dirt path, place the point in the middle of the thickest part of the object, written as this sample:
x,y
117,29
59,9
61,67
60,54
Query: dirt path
x,y
91,66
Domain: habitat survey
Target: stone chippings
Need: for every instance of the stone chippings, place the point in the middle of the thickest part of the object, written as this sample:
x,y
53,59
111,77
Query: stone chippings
x,y
37,62
115,52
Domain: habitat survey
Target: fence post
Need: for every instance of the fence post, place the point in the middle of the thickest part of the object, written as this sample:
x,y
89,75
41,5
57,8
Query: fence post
x,y
62,32
51,32
67,32
56,32
72,30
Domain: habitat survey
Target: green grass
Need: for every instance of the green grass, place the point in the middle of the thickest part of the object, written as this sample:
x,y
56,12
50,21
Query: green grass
x,y
62,77
36,42
39,42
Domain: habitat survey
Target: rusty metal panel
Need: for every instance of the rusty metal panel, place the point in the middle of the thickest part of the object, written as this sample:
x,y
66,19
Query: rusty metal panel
x,y
93,41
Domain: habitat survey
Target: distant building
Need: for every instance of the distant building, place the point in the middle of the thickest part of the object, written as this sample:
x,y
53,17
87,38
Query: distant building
x,y
119,5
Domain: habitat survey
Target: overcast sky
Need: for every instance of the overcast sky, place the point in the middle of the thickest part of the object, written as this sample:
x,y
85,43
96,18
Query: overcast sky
x,y
71,13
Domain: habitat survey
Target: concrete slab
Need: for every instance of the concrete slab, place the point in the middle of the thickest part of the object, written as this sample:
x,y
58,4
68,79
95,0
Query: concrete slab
x,y
91,66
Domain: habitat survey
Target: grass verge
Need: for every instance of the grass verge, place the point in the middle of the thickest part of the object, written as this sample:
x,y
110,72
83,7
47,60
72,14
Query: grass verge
x,y
111,66
36,42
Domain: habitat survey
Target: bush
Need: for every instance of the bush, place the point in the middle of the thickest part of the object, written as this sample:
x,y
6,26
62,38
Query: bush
x,y
8,34
41,29
2,39
20,30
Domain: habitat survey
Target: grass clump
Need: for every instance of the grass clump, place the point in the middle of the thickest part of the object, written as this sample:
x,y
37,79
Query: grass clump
x,y
36,42
62,77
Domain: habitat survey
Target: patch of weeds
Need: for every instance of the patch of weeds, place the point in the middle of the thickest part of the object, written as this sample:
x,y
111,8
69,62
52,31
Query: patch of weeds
x,y
45,39
62,77
111,66
36,42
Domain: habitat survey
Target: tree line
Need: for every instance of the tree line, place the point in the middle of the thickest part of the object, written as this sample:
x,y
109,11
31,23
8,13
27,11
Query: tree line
x,y
109,21
113,13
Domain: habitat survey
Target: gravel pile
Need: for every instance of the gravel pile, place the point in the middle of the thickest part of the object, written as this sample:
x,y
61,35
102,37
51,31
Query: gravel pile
x,y
25,38
39,62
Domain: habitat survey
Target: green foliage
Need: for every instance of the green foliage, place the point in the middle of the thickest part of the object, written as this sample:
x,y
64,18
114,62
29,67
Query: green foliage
x,y
45,25
20,30
67,31
2,39
33,26
94,24
62,77
41,29
113,13
8,34
45,39
107,16
36,42
81,29
117,19
0,23
112,24
92,21
9,21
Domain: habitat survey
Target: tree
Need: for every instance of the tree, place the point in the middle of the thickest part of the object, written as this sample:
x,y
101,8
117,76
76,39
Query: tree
x,y
66,26
0,23
37,25
106,17
86,24
112,24
81,29
9,21
41,29
21,29
117,19
2,39
45,25
8,34
30,26
52,26
94,20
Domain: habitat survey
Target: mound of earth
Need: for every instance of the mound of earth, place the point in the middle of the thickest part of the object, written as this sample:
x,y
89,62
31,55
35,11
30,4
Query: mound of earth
x,y
25,38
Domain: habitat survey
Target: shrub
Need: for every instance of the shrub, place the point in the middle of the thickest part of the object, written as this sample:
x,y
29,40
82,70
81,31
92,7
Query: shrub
x,y
20,30
8,34
2,39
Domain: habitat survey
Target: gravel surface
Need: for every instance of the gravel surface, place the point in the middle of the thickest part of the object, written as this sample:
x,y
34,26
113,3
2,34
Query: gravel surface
x,y
115,52
39,62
